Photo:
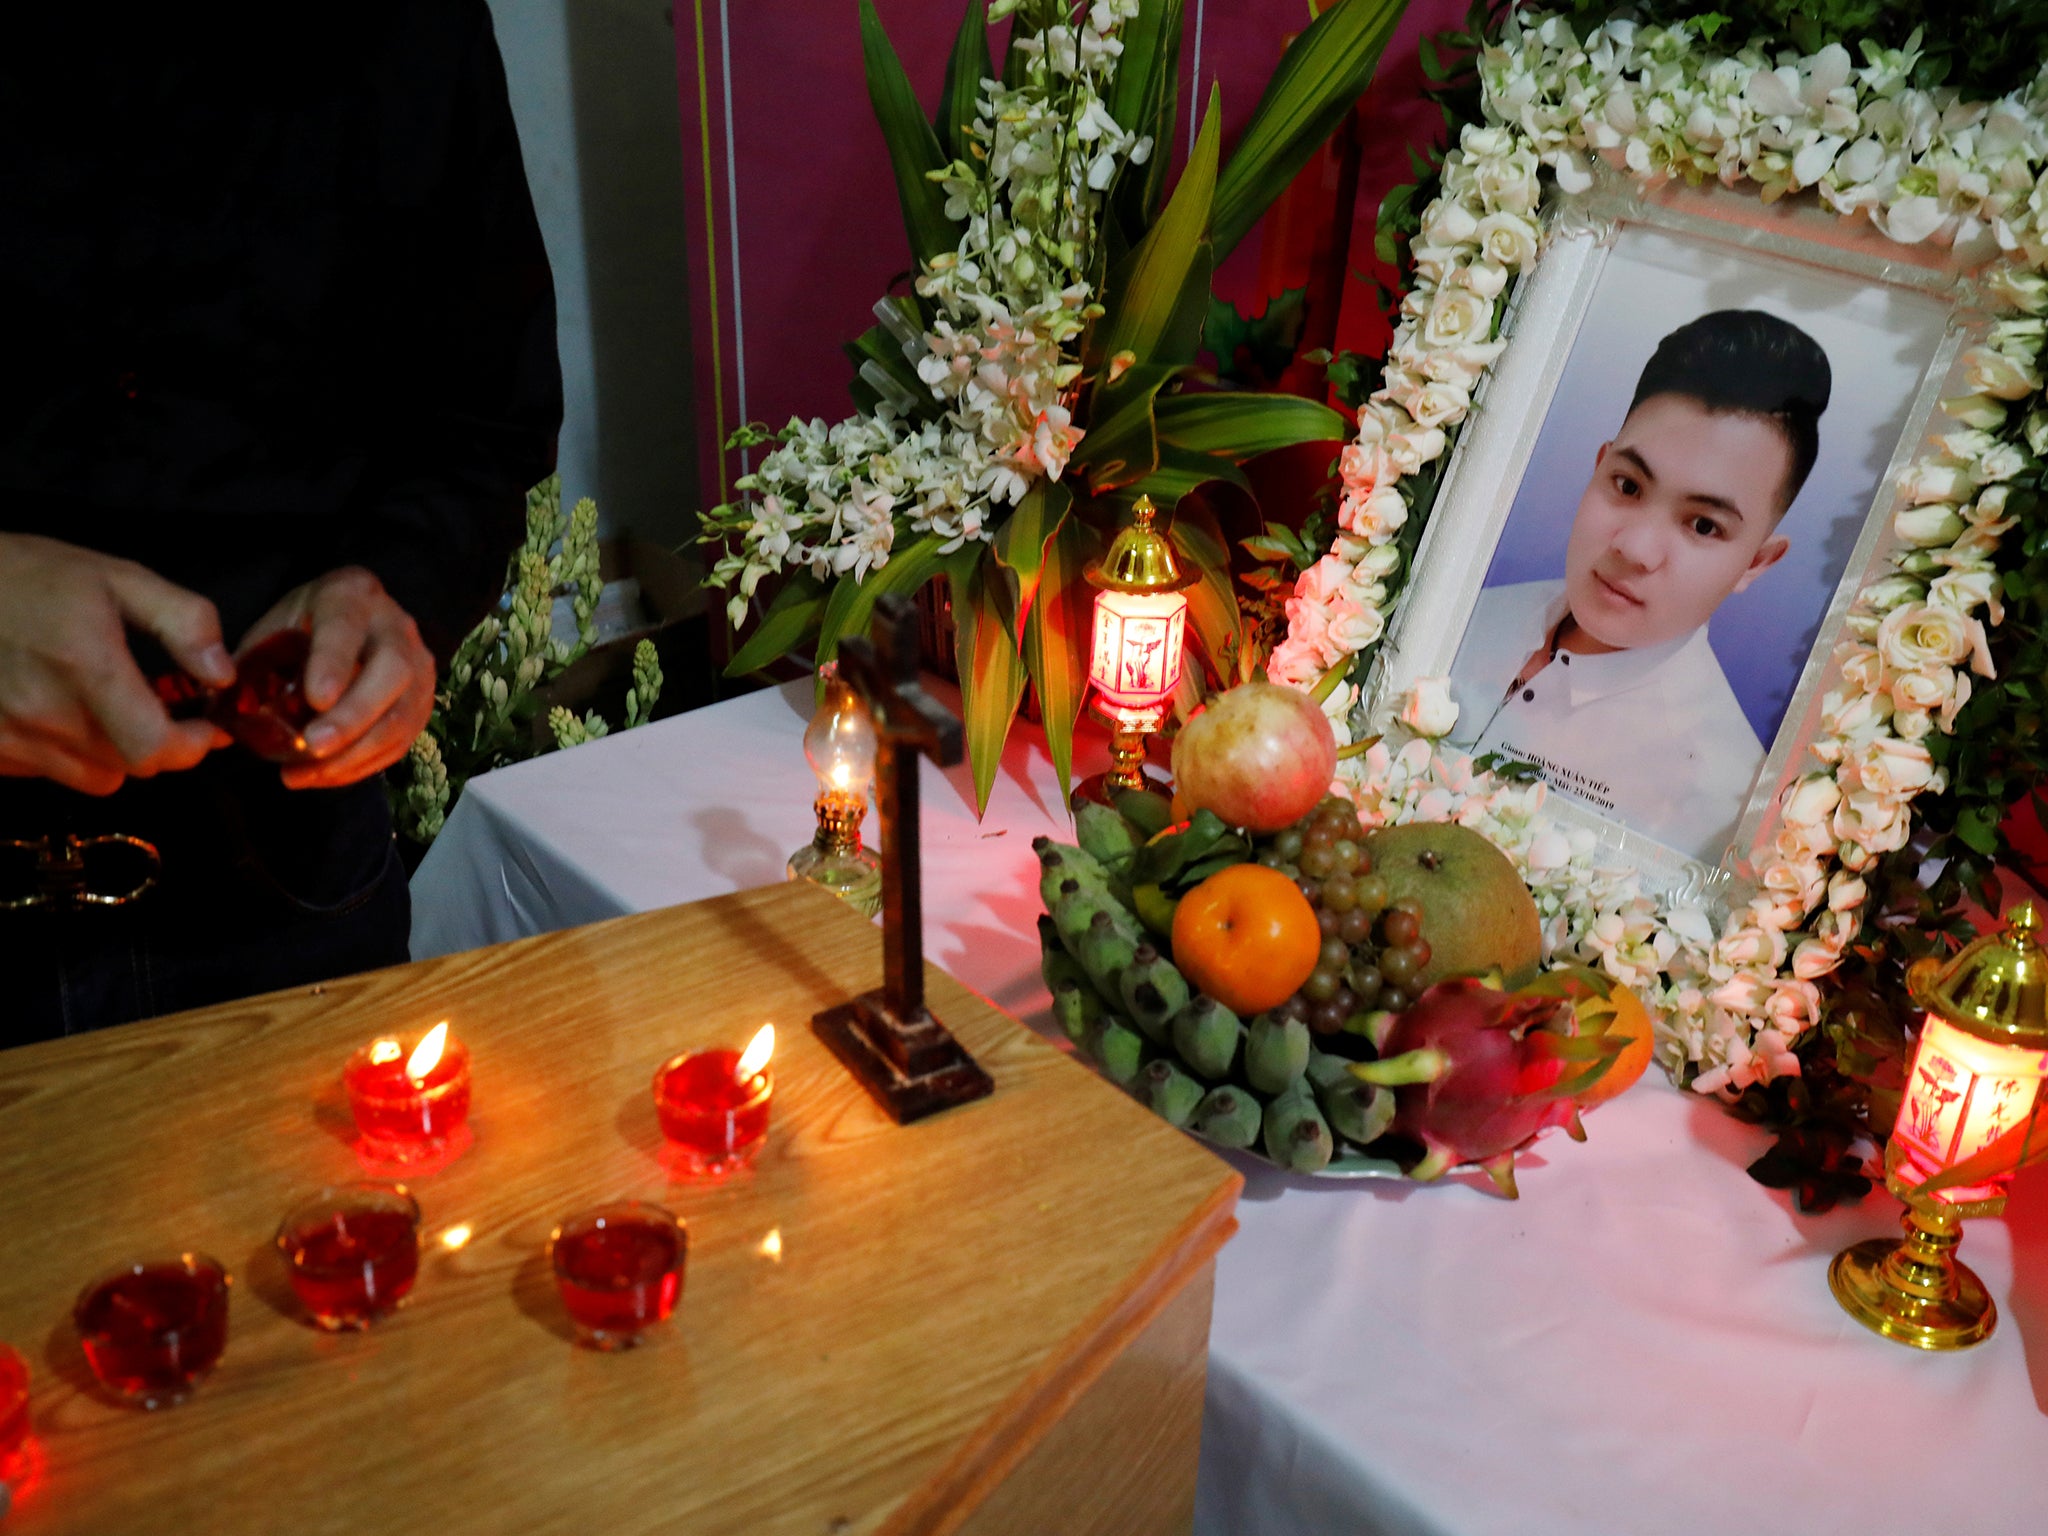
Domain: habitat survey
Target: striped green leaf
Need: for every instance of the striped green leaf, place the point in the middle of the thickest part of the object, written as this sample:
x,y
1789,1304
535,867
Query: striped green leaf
x,y
913,148
1240,425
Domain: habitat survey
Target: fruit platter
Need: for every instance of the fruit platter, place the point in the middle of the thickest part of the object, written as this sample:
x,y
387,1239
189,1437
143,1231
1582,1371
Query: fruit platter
x,y
1264,971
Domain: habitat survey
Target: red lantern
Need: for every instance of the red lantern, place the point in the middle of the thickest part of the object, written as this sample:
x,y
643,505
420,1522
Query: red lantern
x,y
1141,616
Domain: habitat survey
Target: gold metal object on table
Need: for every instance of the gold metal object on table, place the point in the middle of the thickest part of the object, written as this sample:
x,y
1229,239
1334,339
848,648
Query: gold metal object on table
x,y
67,872
1140,627
1970,1117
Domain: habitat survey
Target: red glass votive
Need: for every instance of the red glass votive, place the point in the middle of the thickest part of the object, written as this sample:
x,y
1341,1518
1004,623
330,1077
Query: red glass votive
x,y
264,708
400,1119
13,1406
353,1252
620,1270
714,1120
152,1329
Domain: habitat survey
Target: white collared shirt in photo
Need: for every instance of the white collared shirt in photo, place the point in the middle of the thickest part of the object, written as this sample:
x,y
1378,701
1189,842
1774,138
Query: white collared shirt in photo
x,y
1653,738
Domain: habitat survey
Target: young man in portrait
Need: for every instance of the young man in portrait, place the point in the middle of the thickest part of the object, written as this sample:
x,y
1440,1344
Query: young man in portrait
x,y
1605,679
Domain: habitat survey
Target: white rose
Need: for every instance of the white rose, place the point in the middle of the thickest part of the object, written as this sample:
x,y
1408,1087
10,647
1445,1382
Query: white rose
x,y
1507,239
1968,589
1375,515
1862,668
1813,960
1295,662
1456,317
1484,278
1988,509
1922,690
1449,222
1434,264
1999,463
1483,143
1463,366
1507,183
1377,422
2021,287
1993,373
1927,527
1356,628
1428,709
1923,635
1888,766
1888,592
1414,447
1365,467
1812,799
1937,482
1985,412
1440,405
2036,432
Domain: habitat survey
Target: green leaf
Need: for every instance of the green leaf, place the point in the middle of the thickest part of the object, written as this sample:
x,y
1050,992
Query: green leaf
x,y
1144,99
1212,601
1978,828
1057,633
991,670
1020,542
1122,443
852,603
913,148
1180,470
796,611
1241,425
1146,290
966,68
1323,72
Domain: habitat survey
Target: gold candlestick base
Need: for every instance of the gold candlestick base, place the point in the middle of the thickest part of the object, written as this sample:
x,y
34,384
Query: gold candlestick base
x,y
1127,734
1912,1289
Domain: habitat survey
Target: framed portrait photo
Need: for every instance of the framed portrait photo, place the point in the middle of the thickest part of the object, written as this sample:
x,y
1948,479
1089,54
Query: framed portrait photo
x,y
1676,479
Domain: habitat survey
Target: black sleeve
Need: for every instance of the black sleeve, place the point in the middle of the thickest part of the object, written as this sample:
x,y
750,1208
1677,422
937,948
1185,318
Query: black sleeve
x,y
475,387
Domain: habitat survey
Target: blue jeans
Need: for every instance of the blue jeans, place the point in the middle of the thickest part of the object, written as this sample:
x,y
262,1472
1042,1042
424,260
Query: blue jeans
x,y
262,888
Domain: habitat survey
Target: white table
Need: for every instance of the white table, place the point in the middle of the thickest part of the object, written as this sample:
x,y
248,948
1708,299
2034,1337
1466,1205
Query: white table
x,y
1645,1343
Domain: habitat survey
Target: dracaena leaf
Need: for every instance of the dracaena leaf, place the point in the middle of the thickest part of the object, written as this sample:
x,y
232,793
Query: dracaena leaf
x,y
913,148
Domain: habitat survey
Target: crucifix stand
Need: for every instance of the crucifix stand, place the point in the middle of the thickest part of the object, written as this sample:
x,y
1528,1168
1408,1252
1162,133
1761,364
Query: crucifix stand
x,y
906,1059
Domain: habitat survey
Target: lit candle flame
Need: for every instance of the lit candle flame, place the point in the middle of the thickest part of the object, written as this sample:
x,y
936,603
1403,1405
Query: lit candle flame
x,y
427,1054
756,1055
841,776
771,1245
385,1051
455,1236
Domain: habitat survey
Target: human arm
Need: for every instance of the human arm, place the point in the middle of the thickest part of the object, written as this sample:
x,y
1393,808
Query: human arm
x,y
74,705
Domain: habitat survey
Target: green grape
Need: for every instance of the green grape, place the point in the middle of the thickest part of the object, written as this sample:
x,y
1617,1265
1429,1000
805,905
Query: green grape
x,y
1364,862
1327,1018
1330,922
1296,1007
1400,966
1321,986
1393,999
1339,894
1400,927
1318,862
1288,843
1366,981
1373,894
1355,927
1347,853
1336,954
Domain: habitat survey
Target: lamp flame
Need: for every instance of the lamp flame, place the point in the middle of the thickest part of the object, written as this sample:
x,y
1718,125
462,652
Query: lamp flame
x,y
427,1054
756,1055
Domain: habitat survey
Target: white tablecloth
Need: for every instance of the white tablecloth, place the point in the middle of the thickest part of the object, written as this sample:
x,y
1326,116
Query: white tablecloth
x,y
1645,1343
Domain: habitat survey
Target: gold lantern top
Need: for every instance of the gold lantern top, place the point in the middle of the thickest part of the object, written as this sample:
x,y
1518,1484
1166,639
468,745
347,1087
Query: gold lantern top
x,y
1140,559
1996,988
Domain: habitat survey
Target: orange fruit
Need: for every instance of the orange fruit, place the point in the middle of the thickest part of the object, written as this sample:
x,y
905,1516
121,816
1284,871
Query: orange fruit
x,y
1621,1012
1247,937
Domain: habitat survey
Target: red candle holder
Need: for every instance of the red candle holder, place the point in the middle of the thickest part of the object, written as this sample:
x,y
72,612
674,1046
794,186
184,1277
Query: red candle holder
x,y
264,708
353,1252
153,1328
714,1118
13,1408
403,1118
620,1270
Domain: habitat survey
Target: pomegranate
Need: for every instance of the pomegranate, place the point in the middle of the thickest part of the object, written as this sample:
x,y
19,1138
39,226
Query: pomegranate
x,y
1260,756
1477,1072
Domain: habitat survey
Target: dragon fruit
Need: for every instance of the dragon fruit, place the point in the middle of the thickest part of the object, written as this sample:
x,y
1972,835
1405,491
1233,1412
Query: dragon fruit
x,y
1477,1072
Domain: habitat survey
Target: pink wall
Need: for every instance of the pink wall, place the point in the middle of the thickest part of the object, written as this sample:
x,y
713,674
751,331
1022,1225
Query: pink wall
x,y
795,230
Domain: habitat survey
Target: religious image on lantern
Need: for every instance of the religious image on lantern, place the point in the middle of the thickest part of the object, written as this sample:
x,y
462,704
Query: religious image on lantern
x,y
1138,638
1963,1096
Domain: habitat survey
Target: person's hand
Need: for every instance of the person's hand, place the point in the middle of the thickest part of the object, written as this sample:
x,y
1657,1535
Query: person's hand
x,y
367,675
74,706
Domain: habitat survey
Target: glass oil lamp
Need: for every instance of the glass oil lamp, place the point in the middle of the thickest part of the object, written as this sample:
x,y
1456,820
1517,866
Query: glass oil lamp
x,y
1134,660
840,744
1971,1118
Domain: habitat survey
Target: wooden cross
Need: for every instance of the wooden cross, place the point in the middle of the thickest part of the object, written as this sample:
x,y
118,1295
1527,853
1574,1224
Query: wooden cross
x,y
903,1056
